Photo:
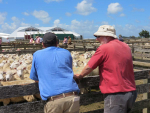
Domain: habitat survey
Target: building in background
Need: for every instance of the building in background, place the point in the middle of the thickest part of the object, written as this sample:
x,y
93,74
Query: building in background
x,y
4,37
28,32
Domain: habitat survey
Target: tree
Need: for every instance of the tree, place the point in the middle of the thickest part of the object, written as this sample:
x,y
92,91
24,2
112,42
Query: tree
x,y
144,34
120,35
133,37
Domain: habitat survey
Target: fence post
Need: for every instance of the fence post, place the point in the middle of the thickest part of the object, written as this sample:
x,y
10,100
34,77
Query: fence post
x,y
133,50
148,109
145,96
84,46
74,47
143,48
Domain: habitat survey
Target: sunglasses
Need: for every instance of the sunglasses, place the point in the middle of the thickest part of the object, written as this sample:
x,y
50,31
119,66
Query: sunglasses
x,y
98,36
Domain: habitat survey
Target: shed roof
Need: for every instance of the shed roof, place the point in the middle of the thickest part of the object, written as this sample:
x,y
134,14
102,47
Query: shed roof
x,y
21,31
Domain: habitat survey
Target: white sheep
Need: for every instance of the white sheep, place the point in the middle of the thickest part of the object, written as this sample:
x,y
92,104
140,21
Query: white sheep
x,y
14,65
10,75
1,76
76,63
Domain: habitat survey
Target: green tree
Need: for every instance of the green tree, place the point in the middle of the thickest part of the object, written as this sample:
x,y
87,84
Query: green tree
x,y
133,37
120,35
144,34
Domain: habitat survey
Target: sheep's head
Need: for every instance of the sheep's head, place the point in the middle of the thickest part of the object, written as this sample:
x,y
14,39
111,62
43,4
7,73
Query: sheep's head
x,y
75,63
20,72
9,76
14,65
1,76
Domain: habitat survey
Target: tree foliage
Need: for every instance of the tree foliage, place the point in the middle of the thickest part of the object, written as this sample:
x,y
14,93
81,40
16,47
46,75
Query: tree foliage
x,y
144,34
120,35
133,37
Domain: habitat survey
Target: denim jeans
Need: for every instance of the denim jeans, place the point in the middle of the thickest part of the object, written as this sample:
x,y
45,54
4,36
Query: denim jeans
x,y
119,102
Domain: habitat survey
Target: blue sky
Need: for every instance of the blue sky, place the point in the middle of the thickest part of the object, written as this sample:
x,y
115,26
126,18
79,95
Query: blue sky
x,y
128,17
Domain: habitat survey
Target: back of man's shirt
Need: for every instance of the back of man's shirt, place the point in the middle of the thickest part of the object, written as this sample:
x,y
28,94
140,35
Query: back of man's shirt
x,y
115,65
52,67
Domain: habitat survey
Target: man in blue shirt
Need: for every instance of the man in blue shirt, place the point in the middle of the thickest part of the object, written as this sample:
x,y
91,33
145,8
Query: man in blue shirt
x,y
52,69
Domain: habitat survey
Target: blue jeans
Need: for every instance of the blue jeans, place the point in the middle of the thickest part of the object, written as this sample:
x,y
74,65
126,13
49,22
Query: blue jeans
x,y
119,102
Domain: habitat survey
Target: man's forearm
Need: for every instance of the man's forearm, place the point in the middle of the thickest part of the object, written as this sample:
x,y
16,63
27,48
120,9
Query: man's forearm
x,y
86,70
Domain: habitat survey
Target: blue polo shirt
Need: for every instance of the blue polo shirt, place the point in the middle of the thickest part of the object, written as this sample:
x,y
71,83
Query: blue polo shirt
x,y
52,67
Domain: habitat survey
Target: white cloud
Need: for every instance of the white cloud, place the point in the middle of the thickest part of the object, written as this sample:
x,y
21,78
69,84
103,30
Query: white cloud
x,y
138,10
26,14
2,17
56,22
104,23
85,7
6,28
15,19
0,1
85,28
47,1
88,28
122,14
9,28
68,14
114,8
42,15
24,24
36,25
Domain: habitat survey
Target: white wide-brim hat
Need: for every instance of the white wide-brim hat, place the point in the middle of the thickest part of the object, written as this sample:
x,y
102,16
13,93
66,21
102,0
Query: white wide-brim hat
x,y
106,30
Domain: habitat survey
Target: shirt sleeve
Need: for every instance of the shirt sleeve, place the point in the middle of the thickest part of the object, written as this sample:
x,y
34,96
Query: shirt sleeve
x,y
97,59
33,73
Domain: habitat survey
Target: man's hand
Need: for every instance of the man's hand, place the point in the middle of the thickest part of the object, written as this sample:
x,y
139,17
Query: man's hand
x,y
77,76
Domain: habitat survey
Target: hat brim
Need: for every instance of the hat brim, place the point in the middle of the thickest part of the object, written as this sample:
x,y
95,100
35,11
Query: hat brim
x,y
104,34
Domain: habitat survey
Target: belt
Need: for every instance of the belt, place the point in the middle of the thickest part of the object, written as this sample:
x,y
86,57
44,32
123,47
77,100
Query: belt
x,y
63,95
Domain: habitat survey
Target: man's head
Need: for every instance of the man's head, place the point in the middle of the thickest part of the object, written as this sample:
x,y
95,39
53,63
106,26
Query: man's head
x,y
49,39
105,34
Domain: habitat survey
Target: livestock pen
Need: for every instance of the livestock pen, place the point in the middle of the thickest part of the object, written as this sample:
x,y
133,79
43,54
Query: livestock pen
x,y
91,102
93,98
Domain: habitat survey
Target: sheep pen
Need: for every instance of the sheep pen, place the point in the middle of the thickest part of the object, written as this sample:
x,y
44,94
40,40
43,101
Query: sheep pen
x,y
15,70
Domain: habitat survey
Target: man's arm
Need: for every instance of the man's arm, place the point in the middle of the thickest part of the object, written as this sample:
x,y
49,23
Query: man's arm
x,y
86,70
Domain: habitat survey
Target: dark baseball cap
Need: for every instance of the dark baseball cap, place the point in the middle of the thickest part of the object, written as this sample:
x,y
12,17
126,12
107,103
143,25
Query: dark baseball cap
x,y
49,37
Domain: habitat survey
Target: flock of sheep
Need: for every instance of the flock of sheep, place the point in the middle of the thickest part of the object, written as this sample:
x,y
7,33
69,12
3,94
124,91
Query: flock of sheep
x,y
80,60
14,68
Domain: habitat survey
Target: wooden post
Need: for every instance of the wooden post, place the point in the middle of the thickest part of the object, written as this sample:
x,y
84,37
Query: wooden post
x,y
133,50
145,96
84,46
95,48
74,47
24,47
148,110
143,48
